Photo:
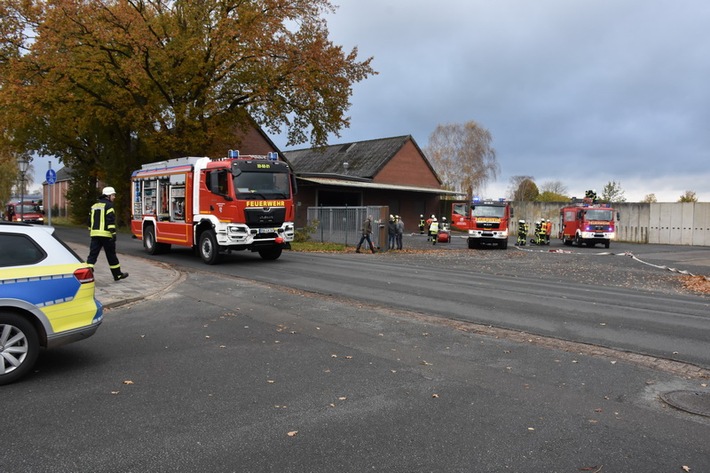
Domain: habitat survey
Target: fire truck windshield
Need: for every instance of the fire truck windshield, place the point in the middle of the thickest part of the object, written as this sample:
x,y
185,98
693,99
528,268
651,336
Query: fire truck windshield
x,y
262,185
26,208
488,211
598,214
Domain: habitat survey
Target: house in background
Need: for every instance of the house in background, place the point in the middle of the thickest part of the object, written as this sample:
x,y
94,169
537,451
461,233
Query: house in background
x,y
54,197
391,172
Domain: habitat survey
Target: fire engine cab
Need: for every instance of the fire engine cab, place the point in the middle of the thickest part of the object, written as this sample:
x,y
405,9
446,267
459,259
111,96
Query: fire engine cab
x,y
487,221
215,205
587,223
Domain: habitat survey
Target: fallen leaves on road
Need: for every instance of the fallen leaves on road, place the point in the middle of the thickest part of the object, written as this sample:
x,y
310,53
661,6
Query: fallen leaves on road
x,y
697,284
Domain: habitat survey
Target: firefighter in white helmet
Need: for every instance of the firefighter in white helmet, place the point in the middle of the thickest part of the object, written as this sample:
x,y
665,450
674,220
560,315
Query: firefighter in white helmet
x,y
433,229
102,228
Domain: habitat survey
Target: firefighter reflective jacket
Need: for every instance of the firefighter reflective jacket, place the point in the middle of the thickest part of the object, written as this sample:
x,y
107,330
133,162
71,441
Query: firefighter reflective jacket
x,y
102,219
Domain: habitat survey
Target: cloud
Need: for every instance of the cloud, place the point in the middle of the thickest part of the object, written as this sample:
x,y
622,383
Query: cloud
x,y
593,89
578,91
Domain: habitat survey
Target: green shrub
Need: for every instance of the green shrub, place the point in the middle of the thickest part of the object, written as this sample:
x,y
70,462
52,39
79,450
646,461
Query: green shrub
x,y
304,234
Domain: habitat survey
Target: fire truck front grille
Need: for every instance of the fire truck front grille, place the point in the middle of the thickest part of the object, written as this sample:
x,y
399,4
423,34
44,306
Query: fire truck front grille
x,y
488,226
265,217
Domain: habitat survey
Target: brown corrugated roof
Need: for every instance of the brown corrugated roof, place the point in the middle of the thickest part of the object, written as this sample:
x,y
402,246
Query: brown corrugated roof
x,y
364,158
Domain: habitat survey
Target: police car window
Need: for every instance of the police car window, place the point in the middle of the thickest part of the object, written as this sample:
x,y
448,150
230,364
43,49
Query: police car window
x,y
19,250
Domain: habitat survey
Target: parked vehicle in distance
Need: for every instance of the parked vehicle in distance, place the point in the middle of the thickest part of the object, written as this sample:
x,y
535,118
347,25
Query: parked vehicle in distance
x,y
587,223
27,211
486,221
47,297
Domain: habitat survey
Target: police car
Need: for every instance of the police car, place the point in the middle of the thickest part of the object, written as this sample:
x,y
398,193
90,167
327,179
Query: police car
x,y
46,297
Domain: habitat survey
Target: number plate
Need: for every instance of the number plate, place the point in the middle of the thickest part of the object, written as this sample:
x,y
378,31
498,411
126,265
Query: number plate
x,y
268,230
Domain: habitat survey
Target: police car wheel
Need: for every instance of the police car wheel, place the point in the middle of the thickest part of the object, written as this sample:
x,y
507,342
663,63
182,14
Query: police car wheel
x,y
19,347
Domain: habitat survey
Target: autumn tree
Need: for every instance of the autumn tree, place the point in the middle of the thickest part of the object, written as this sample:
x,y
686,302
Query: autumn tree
x,y
523,189
553,191
463,157
689,196
109,85
612,192
8,176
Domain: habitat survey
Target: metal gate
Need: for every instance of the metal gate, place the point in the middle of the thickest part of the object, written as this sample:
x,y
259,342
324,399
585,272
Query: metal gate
x,y
344,224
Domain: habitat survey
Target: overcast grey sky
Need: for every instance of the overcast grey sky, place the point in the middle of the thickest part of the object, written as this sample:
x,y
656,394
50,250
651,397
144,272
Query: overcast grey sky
x,y
580,91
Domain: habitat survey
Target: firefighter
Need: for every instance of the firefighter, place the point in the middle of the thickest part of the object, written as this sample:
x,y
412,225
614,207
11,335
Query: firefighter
x,y
548,231
444,235
434,229
422,224
542,232
538,235
102,229
522,233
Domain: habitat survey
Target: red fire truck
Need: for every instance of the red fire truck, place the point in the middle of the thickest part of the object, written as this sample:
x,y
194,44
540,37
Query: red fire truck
x,y
215,205
27,211
487,221
587,223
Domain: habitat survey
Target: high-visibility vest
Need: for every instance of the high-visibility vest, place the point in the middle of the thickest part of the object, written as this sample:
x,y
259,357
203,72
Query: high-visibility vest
x,y
102,219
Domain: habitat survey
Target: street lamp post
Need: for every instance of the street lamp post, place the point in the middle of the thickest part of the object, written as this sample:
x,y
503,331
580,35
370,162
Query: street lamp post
x,y
24,164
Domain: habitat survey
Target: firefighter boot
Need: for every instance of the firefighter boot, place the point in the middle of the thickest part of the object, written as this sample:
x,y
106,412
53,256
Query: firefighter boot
x,y
117,274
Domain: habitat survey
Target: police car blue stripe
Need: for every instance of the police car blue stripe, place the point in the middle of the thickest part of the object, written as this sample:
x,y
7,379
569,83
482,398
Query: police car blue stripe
x,y
41,291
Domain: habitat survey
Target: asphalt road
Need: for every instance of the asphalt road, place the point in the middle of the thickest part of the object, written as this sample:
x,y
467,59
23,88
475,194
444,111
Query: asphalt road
x,y
225,374
593,296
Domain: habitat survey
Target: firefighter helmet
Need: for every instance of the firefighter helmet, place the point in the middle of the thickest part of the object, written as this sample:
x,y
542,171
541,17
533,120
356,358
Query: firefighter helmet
x,y
108,191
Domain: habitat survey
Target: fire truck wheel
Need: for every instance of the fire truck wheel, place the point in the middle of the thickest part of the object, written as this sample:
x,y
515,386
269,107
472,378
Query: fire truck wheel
x,y
271,254
209,251
150,245
606,244
578,240
503,245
